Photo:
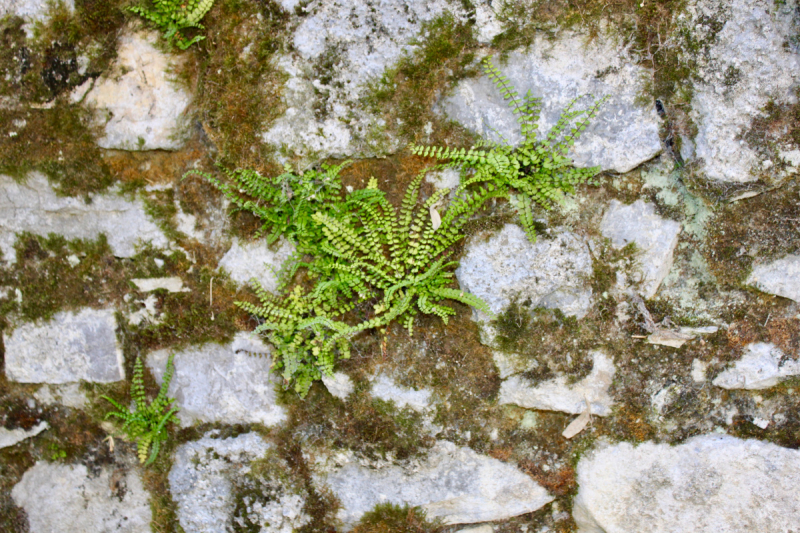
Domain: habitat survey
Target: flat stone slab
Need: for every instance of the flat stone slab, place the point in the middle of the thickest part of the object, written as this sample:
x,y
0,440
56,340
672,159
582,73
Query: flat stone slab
x,y
655,239
354,42
622,136
746,67
228,383
762,366
30,9
246,261
10,437
558,395
339,385
204,479
140,108
709,484
780,277
71,347
551,273
61,498
454,484
386,389
33,206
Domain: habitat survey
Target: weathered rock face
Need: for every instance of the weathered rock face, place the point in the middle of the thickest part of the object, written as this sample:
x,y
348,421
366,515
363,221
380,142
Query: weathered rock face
x,y
621,137
71,347
746,66
222,383
33,206
65,498
255,260
454,484
762,366
208,475
340,46
386,389
557,395
139,106
780,277
32,10
708,484
549,273
10,437
339,385
655,239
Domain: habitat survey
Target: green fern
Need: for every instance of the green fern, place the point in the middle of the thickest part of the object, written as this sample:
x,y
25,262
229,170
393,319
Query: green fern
x,y
535,171
175,16
146,424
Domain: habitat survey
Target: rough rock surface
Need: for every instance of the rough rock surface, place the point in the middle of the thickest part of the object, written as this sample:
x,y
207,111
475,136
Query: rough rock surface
x,y
204,479
33,206
137,103
550,273
172,284
68,395
558,395
10,437
454,484
746,66
762,366
709,484
255,260
30,9
339,47
780,277
655,239
622,136
70,347
340,385
64,498
222,383
386,389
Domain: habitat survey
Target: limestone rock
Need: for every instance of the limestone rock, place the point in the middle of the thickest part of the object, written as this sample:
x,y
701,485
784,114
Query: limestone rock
x,y
655,239
222,383
709,484
339,385
386,389
70,347
172,284
746,67
10,437
30,10
208,474
454,484
621,137
354,42
140,107
245,261
762,366
33,206
61,498
558,395
780,277
550,273
68,395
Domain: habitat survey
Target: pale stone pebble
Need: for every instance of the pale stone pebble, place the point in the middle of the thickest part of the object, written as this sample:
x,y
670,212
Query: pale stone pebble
x,y
454,484
222,383
386,389
254,260
10,437
558,395
708,484
68,395
32,205
60,498
339,385
71,347
780,277
655,239
171,284
762,366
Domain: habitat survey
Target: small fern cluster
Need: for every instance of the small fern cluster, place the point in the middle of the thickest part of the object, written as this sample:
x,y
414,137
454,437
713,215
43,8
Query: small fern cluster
x,y
534,171
175,16
358,249
147,423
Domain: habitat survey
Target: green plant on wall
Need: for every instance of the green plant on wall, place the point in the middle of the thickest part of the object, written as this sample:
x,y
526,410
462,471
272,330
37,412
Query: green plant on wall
x,y
174,17
358,249
147,423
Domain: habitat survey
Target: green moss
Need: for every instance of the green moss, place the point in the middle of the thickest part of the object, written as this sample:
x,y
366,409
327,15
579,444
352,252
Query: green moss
x,y
391,518
236,82
405,93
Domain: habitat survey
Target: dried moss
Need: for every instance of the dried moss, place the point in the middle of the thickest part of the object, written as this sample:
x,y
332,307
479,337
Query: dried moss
x,y
391,518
